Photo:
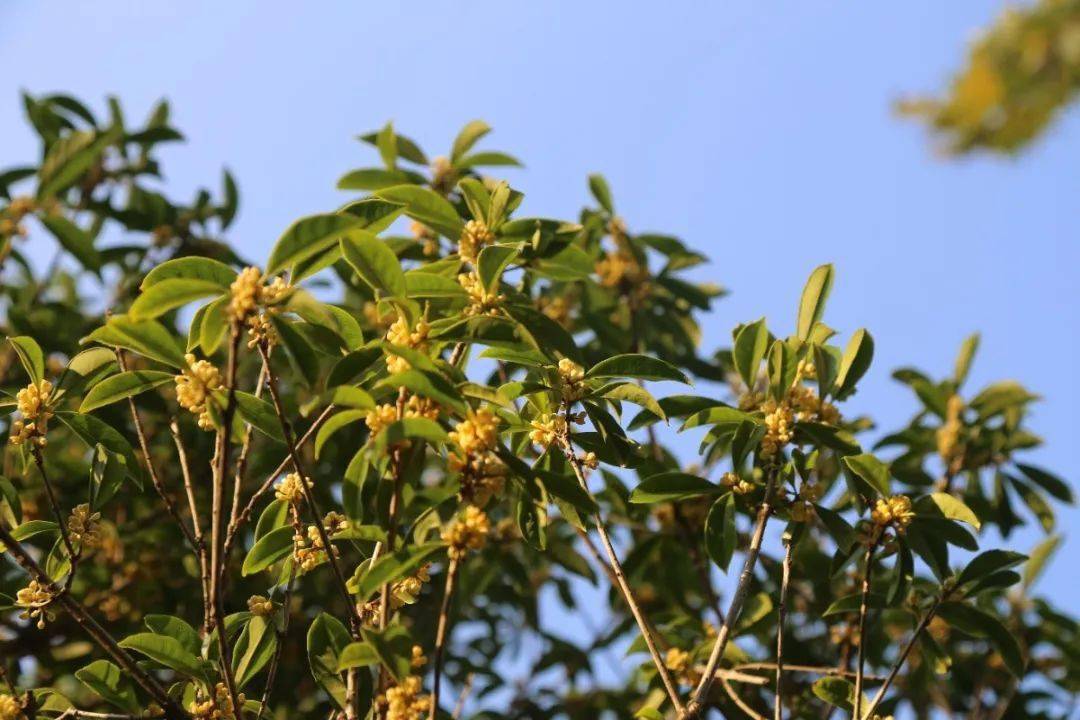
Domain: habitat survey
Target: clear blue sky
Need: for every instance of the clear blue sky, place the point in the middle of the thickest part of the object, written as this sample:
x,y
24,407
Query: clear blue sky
x,y
761,133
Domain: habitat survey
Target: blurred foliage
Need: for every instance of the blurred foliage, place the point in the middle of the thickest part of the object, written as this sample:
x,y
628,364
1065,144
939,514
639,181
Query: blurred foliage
x,y
1021,72
472,409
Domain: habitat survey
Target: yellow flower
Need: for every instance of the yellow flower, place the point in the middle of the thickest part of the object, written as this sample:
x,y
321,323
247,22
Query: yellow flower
x,y
84,527
418,658
290,490
10,709
477,433
246,292
468,532
220,707
194,386
572,380
34,403
736,483
414,338
482,476
481,302
34,599
895,511
379,417
475,236
779,418
676,660
260,605
547,429
404,701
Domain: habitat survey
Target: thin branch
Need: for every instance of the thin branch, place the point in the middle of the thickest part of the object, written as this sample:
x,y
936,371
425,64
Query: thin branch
x,y
283,632
92,628
620,577
902,657
864,607
155,479
217,564
696,703
242,460
785,578
309,498
440,634
73,557
739,701
465,690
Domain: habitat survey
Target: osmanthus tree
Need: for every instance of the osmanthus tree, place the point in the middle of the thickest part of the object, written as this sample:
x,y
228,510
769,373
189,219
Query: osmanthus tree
x,y
338,482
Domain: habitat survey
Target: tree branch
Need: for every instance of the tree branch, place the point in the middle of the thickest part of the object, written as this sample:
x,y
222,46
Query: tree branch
x,y
864,606
785,578
440,634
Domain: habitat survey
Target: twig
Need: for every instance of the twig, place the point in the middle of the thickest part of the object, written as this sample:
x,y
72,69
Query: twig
x,y
620,577
73,557
739,701
196,525
465,690
696,703
286,600
440,634
902,657
217,565
864,607
785,578
92,628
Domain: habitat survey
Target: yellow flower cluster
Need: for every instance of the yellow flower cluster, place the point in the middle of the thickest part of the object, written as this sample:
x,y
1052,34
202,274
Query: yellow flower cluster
x,y
677,660
34,403
310,552
404,701
34,599
802,509
481,302
425,235
422,407
895,511
482,472
620,269
571,380
84,527
290,490
193,388
260,605
475,236
400,334
736,483
779,419
11,217
219,707
548,429
10,709
556,307
418,659
469,532
248,294
403,592
809,407
478,433
949,446
381,416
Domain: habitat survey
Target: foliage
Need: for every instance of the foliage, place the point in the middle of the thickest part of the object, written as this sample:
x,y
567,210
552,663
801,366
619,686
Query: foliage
x,y
1020,74
344,484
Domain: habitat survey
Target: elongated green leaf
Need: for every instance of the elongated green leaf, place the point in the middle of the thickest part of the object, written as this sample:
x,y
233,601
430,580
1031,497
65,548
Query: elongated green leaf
x,y
260,414
191,267
720,535
426,206
854,363
166,651
93,432
989,562
30,356
121,386
254,649
671,486
327,638
812,304
69,158
377,179
308,237
978,623
491,264
73,239
643,367
334,423
423,285
473,131
267,550
871,470
750,345
945,505
1039,557
176,628
111,684
598,185
374,262
148,338
357,654
301,354
395,566
166,295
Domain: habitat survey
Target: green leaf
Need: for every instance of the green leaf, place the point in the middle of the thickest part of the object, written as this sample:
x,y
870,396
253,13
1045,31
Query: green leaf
x,y
93,432
374,262
643,367
473,131
191,267
630,392
487,158
431,385
301,354
851,604
260,414
720,531
357,654
854,363
751,342
73,239
838,528
166,295
334,423
176,628
327,638
945,505
166,651
1052,484
492,262
308,237
835,691
69,158
567,489
30,356
33,528
377,179
963,360
422,285
395,566
672,486
989,562
267,550
973,621
393,648
386,142
121,386
148,338
426,206
782,367
872,471
812,304
410,428
529,523
1039,557
598,185
112,684
254,649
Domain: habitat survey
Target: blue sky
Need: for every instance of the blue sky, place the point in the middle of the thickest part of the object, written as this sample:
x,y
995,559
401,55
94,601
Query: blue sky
x,y
761,133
